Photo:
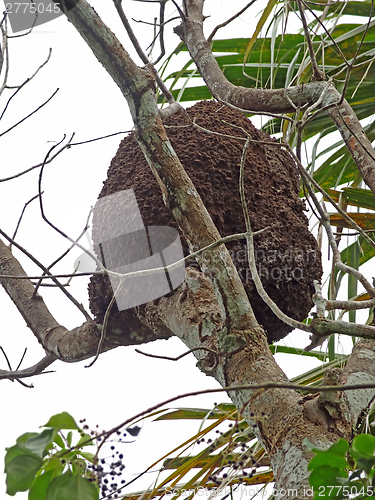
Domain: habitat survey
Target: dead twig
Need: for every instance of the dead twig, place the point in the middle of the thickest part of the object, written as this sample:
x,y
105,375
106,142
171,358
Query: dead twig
x,y
37,369
211,351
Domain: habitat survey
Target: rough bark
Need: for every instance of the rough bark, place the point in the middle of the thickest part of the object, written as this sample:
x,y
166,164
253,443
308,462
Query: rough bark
x,y
67,345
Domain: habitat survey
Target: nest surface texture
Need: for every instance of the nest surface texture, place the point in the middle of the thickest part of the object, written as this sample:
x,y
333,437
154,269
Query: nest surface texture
x,y
287,255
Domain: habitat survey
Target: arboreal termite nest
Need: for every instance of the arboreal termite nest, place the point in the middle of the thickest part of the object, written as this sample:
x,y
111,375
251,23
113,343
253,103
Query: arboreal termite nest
x,y
287,255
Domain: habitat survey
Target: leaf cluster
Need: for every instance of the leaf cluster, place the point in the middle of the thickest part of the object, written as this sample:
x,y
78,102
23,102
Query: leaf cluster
x,y
344,471
49,465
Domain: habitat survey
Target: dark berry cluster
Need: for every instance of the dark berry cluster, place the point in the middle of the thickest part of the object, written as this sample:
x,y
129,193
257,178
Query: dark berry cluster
x,y
240,461
108,472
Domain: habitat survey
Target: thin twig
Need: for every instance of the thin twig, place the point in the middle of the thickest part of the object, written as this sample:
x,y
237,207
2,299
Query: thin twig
x,y
141,54
19,87
37,369
45,270
211,351
20,217
105,323
324,219
30,114
318,75
228,21
170,267
66,146
73,245
251,254
161,31
10,367
49,276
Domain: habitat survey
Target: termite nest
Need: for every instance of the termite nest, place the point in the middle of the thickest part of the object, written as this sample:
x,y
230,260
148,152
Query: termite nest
x,y
287,255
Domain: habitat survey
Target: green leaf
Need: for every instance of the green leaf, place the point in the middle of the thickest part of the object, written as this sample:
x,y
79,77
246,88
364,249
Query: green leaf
x,y
339,448
69,438
62,421
59,441
21,473
90,457
39,443
357,197
368,251
327,476
363,446
364,220
16,451
71,487
365,464
327,458
85,440
38,490
55,465
24,437
362,8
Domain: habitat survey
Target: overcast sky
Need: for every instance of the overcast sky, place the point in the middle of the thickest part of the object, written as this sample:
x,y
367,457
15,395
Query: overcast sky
x,y
89,104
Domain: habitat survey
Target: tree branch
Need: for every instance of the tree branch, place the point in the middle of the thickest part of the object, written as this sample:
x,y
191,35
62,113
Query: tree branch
x,y
37,369
70,346
275,101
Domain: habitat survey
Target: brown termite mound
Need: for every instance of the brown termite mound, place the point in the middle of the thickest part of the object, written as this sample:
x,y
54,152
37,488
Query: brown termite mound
x,y
287,255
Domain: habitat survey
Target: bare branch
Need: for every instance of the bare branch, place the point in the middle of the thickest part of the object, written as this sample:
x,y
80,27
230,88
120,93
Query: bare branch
x,y
228,21
37,369
68,145
161,31
44,269
20,218
4,52
142,55
317,74
20,87
30,114
211,351
349,305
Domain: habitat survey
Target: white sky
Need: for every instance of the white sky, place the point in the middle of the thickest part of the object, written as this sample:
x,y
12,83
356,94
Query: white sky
x,y
121,383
